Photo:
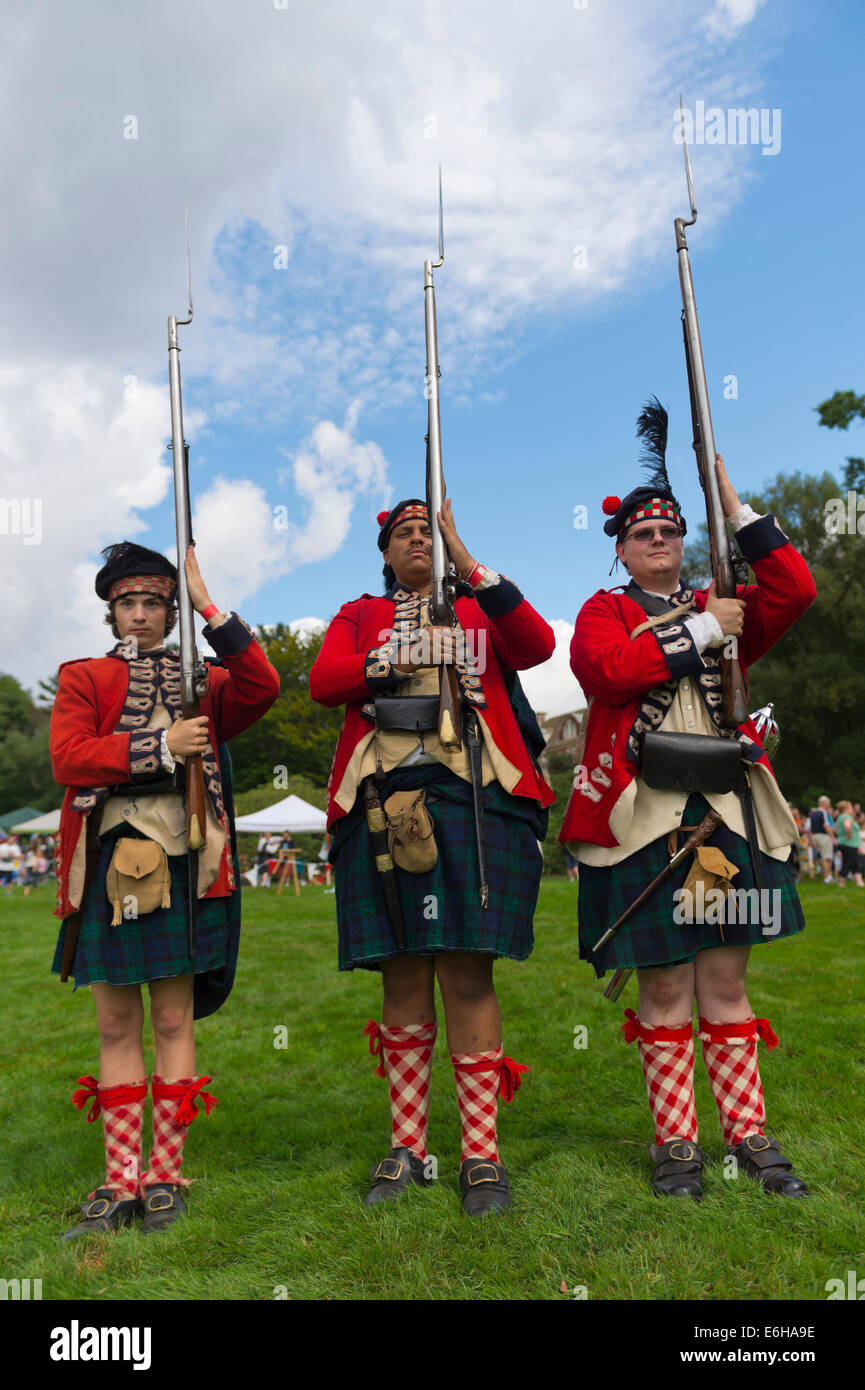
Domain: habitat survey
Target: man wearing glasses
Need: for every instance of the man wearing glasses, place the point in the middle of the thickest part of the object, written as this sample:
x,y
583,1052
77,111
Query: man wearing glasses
x,y
648,660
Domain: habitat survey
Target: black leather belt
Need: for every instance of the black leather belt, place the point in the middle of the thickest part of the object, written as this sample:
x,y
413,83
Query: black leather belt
x,y
166,782
417,713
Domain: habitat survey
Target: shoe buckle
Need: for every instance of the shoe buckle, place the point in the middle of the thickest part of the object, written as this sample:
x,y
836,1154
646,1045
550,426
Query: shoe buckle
x,y
682,1157
760,1146
396,1163
488,1171
160,1201
98,1207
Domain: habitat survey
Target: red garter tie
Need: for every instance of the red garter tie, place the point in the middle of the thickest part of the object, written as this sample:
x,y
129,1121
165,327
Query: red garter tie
x,y
635,1028
767,1033
378,1042
375,1040
90,1092
749,1030
510,1074
187,1095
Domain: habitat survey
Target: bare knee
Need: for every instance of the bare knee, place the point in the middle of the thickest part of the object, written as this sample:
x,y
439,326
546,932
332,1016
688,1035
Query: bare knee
x,y
171,1022
666,996
722,993
408,985
119,1023
465,983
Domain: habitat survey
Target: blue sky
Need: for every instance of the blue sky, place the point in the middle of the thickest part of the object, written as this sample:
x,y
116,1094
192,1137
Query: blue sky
x,y
543,374
775,288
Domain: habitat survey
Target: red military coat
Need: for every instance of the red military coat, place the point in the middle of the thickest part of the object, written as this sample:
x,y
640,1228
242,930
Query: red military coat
x,y
89,754
349,670
619,674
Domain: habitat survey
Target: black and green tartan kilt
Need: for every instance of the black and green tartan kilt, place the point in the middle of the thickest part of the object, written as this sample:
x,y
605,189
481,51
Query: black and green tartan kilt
x,y
441,909
651,936
155,946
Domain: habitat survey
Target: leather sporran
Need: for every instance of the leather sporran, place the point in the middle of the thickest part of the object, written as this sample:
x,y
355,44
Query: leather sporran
x,y
410,835
138,870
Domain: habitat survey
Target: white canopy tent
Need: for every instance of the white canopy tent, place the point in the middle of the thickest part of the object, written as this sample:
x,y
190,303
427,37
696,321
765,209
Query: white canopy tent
x,y
49,824
292,813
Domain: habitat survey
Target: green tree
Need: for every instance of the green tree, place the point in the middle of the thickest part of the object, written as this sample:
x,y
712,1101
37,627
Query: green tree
x,y
25,770
16,707
815,673
560,777
837,413
296,733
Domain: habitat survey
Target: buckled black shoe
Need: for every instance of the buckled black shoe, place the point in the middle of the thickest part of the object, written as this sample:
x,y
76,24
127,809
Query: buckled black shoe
x,y
103,1212
394,1174
678,1169
484,1185
762,1159
163,1205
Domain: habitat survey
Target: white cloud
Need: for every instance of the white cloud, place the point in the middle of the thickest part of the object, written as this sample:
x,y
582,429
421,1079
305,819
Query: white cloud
x,y
93,457
553,687
304,127
328,476
727,16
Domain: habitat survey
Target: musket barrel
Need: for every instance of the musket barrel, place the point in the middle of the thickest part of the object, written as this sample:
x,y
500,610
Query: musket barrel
x,y
188,654
704,413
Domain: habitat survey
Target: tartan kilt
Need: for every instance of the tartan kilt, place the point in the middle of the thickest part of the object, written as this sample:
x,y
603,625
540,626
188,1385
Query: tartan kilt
x,y
650,936
155,947
441,909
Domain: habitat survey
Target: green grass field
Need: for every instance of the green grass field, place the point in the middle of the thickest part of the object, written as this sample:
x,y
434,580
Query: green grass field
x,y
282,1163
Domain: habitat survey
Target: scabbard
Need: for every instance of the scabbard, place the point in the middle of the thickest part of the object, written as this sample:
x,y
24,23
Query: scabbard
x,y
192,901
473,742
73,921
747,802
377,824
617,983
697,837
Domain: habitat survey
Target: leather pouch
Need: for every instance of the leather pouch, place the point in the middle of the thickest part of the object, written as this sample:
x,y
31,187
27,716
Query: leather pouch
x,y
414,712
410,829
691,763
138,870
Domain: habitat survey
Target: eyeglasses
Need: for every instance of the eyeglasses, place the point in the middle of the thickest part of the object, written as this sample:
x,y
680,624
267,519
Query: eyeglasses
x,y
667,533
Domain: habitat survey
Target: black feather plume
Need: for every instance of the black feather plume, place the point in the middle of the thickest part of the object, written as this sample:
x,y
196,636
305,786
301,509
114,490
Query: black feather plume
x,y
652,430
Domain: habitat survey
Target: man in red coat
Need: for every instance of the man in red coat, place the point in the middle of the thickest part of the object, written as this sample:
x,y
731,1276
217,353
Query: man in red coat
x,y
647,658
381,658
117,733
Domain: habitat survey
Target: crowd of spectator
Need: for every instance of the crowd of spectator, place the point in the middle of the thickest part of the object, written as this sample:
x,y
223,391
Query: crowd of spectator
x,y
831,842
26,865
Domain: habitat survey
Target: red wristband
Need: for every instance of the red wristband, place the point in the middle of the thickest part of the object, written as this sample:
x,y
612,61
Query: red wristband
x,y
474,575
208,612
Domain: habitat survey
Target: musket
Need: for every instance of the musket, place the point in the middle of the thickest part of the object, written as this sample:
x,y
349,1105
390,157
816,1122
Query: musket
x,y
710,822
193,671
734,706
444,574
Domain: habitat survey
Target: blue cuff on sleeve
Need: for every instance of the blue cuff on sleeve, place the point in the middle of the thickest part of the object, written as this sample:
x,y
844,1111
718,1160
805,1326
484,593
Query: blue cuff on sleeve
x,y
760,538
231,637
500,598
378,669
145,755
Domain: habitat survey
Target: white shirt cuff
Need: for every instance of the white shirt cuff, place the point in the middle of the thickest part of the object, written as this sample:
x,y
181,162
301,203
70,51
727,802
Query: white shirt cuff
x,y
743,516
167,759
705,630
